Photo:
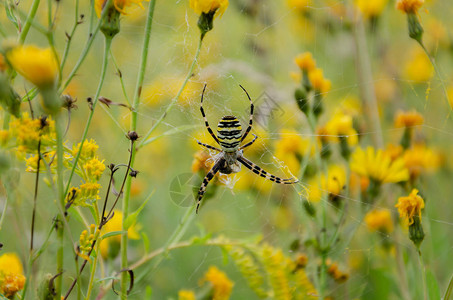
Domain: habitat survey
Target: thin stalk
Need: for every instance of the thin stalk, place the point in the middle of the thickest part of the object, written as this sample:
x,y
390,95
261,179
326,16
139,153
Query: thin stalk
x,y
35,197
185,244
93,273
135,104
88,44
437,70
29,20
120,75
423,273
61,198
108,42
323,244
174,100
400,268
366,83
70,36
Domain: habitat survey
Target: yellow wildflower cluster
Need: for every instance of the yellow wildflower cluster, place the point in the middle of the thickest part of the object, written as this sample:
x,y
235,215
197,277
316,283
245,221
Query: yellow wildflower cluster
x,y
209,6
379,220
86,242
202,162
339,126
371,8
332,184
408,119
47,158
94,169
418,68
39,66
300,5
410,206
186,295
89,150
221,284
286,281
318,82
120,5
334,271
421,159
28,132
291,147
12,277
305,62
409,6
378,166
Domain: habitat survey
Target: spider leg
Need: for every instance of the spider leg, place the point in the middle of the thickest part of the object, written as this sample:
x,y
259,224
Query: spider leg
x,y
257,170
206,180
205,119
251,115
249,143
208,146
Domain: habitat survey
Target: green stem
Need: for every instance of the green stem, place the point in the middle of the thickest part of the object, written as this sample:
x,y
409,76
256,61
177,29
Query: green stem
x,y
93,272
108,43
437,70
174,100
88,44
423,273
60,188
70,37
365,80
135,104
27,25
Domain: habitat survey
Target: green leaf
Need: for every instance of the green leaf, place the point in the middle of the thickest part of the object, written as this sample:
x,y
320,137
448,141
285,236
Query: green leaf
x,y
432,286
449,290
169,132
113,233
201,240
132,218
10,15
225,255
146,243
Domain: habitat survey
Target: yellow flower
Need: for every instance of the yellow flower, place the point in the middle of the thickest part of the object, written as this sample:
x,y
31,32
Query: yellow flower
x,y
89,150
291,148
120,5
32,162
377,165
37,65
333,184
379,220
28,131
408,119
208,6
305,62
341,125
300,5
4,137
418,68
318,82
186,295
221,285
94,169
409,6
419,159
111,244
410,206
12,277
371,8
334,271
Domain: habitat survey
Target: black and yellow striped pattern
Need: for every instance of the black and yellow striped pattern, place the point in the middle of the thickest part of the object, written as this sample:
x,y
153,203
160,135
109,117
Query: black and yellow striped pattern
x,y
229,133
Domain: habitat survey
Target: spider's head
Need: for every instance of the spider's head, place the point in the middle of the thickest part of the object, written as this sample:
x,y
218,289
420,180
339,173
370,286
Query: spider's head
x,y
229,133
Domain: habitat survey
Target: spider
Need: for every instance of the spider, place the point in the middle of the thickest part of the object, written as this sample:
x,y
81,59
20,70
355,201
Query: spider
x,y
230,157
